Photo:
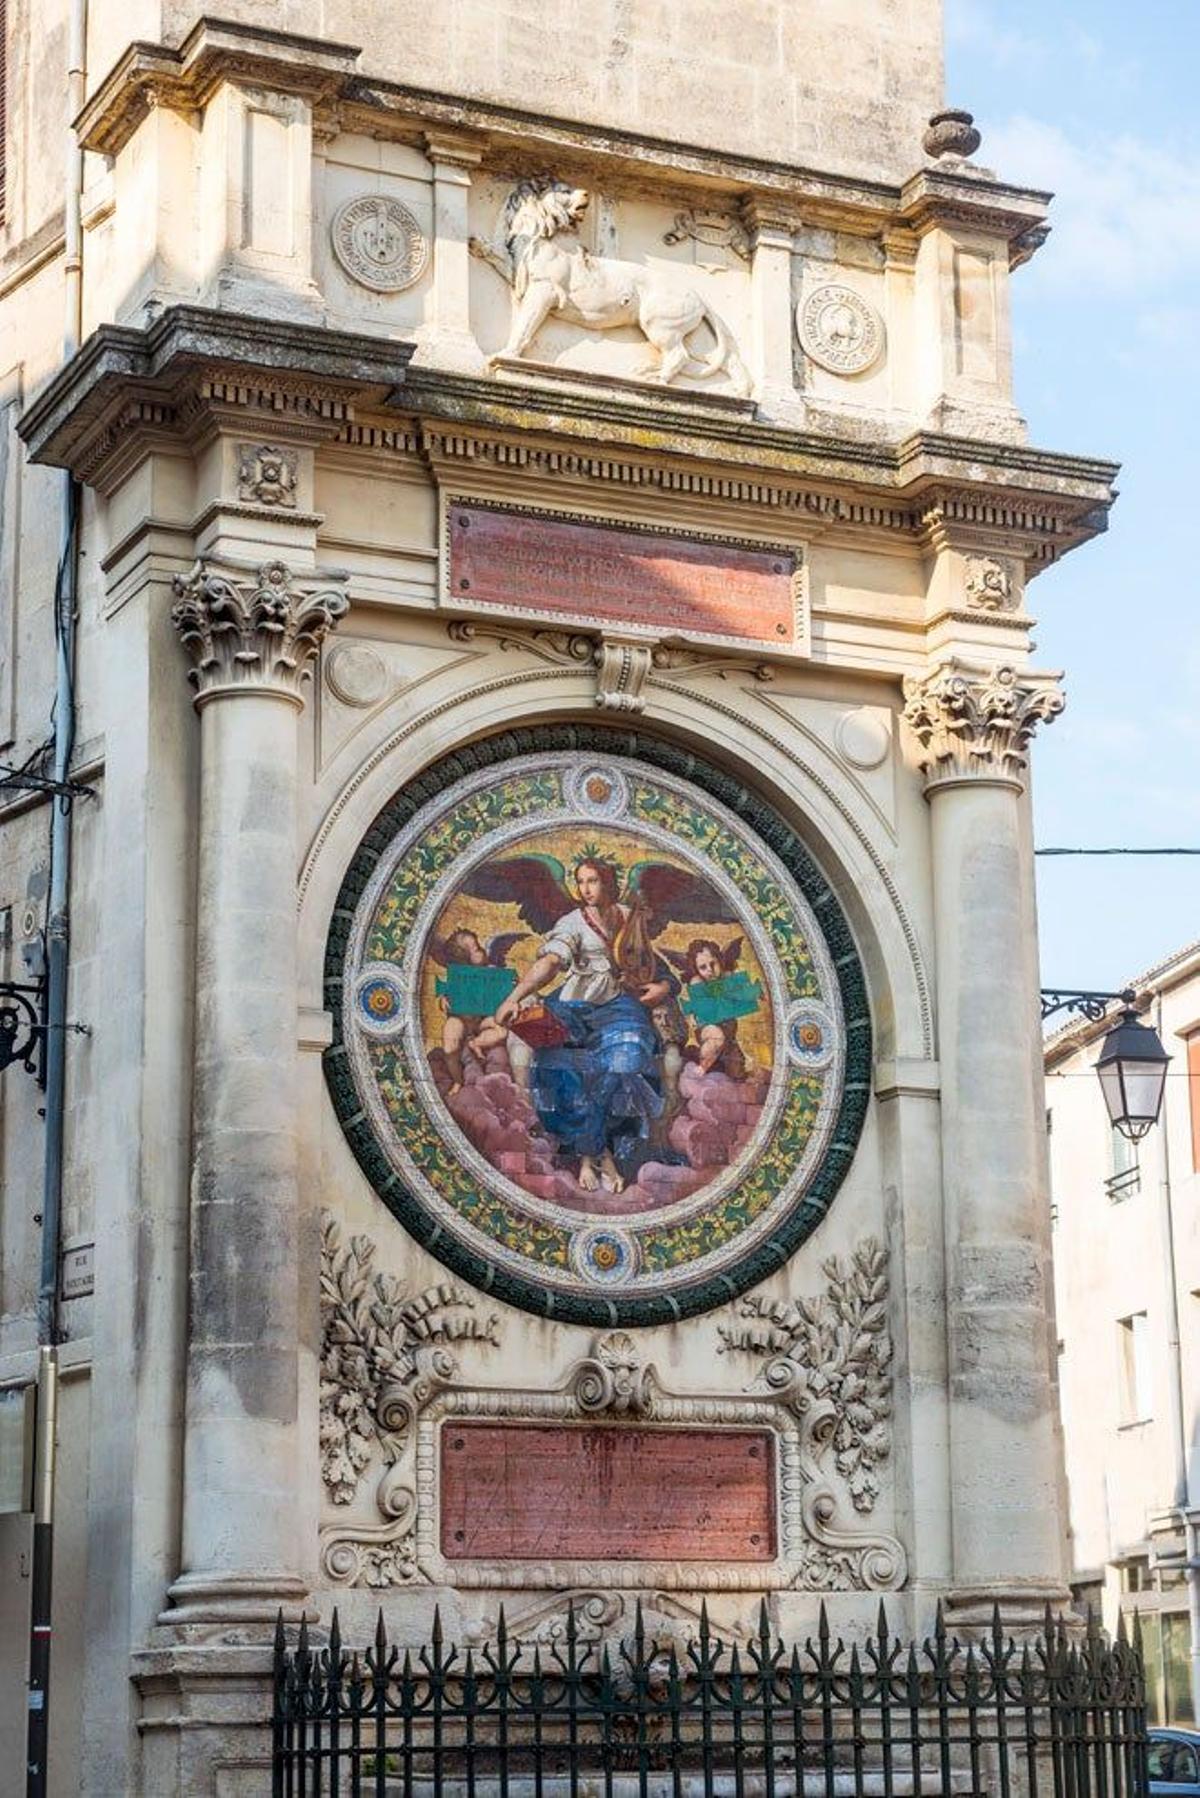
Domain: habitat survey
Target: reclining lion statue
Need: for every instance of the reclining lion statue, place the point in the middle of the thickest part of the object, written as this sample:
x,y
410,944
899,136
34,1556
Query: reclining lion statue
x,y
550,270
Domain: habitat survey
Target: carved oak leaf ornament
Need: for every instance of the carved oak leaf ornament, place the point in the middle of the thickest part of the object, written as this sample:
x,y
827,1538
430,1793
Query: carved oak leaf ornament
x,y
380,1363
831,1357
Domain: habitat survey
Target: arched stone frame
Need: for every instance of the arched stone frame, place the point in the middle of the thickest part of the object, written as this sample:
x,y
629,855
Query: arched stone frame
x,y
803,780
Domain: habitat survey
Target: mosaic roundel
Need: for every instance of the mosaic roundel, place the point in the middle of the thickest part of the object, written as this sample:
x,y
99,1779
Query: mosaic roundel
x,y
601,1034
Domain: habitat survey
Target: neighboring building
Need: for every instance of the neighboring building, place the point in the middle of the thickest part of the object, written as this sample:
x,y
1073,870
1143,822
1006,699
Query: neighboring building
x,y
1126,1232
549,525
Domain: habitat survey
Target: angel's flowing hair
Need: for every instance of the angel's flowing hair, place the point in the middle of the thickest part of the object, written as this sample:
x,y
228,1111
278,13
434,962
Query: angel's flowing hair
x,y
608,871
633,951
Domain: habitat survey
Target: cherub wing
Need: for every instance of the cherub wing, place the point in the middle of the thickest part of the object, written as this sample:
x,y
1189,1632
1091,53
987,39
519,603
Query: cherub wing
x,y
440,951
536,884
677,959
498,946
674,895
731,954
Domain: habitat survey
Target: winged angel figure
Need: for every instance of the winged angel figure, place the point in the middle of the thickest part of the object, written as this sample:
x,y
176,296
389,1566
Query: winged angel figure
x,y
596,1079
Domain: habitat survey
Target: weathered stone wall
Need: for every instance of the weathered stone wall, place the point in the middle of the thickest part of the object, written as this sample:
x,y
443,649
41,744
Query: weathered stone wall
x,y
846,85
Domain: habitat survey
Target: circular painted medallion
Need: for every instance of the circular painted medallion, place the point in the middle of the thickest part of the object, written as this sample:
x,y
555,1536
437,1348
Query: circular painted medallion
x,y
839,329
379,243
601,1034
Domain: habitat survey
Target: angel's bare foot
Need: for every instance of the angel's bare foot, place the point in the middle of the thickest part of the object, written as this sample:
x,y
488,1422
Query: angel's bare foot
x,y
456,1088
611,1178
589,1179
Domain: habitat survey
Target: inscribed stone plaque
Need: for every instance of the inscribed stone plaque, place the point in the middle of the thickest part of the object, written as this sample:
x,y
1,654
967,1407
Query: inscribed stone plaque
x,y
630,577
600,1043
513,1491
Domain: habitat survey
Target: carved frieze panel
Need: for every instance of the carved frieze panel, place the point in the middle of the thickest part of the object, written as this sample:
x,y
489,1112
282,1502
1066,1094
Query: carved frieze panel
x,y
600,1036
538,251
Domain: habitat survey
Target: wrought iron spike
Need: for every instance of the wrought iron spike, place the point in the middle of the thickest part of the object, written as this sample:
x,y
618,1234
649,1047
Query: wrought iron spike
x,y
281,1633
381,1640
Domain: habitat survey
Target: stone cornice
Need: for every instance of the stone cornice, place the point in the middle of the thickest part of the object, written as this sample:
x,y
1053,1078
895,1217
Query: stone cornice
x,y
193,364
331,75
183,79
196,370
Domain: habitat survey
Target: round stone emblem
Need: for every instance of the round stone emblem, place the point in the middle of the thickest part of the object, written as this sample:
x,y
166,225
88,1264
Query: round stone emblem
x,y
379,243
609,1065
839,330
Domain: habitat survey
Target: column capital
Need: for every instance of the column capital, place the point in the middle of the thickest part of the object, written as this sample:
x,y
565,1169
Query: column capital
x,y
976,724
258,633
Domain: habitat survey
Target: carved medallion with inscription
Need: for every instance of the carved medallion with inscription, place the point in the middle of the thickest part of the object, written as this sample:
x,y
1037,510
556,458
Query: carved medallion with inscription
x,y
379,243
839,330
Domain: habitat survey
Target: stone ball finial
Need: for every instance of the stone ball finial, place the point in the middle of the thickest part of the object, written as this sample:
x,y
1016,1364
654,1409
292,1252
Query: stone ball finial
x,y
951,134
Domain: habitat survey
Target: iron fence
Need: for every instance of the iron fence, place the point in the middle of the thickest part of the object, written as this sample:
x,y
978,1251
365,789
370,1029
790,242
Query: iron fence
x,y
648,1717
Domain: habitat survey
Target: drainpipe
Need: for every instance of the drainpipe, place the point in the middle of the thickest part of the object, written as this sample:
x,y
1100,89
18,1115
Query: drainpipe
x,y
58,936
1181,1500
65,604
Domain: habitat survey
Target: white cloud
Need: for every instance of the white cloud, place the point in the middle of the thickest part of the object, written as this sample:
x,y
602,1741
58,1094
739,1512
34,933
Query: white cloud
x,y
1126,214
972,25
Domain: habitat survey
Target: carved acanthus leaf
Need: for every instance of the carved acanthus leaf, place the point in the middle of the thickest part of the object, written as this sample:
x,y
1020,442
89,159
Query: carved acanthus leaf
x,y
830,1359
263,633
977,723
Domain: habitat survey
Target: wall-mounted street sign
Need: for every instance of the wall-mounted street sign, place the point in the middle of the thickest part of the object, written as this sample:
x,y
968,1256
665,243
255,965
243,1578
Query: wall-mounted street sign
x,y
17,1409
78,1270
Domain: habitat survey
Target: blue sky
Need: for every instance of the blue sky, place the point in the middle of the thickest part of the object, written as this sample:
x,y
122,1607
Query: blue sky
x,y
1096,99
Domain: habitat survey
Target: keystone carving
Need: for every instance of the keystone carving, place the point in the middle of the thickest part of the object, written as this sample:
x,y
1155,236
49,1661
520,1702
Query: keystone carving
x,y
540,256
613,1379
977,724
259,634
831,1359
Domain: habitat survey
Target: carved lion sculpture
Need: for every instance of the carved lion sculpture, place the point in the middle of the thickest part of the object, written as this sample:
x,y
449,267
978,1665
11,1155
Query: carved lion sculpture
x,y
550,270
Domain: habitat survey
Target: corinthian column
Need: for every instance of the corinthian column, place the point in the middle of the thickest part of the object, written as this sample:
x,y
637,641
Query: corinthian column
x,y
974,726
251,644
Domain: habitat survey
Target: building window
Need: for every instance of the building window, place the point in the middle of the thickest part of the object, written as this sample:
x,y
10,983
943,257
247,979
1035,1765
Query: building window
x,y
1133,1341
1193,1072
1126,1176
1050,1169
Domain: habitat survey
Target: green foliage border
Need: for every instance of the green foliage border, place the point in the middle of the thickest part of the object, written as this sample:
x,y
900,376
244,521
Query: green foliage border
x,y
766,1257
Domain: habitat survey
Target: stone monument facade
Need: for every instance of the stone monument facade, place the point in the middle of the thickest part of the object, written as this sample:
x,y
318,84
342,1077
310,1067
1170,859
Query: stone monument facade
x,y
559,1120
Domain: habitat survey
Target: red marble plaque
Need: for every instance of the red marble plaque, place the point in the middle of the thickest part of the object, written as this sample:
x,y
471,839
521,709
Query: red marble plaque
x,y
600,574
523,1492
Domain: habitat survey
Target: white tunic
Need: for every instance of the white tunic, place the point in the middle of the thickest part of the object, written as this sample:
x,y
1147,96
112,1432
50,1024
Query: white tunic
x,y
587,958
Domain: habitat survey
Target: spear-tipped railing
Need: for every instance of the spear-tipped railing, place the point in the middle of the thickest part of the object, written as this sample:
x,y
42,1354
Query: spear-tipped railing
x,y
659,1716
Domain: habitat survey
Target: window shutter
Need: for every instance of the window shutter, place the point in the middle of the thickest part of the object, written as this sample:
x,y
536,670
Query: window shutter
x,y
1193,1068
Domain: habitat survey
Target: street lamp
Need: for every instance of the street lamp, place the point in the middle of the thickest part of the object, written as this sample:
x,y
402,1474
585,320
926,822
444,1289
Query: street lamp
x,y
1132,1064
